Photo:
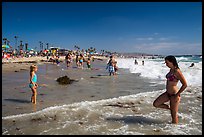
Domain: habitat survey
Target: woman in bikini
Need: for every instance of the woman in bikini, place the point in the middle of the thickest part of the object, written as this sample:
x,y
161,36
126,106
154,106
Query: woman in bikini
x,y
172,93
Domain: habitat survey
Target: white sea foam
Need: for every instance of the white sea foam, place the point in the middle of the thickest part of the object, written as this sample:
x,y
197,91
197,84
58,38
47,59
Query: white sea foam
x,y
132,114
156,69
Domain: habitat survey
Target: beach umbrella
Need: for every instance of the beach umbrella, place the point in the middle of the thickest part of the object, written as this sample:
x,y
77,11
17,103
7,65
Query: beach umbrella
x,y
29,49
6,46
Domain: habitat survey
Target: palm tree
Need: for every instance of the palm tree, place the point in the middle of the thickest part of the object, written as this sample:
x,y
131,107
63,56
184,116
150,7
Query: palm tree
x,y
40,44
91,49
16,41
5,40
21,45
47,45
26,46
8,42
77,47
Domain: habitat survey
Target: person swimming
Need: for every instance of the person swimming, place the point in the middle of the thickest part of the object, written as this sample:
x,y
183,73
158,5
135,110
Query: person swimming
x,y
191,65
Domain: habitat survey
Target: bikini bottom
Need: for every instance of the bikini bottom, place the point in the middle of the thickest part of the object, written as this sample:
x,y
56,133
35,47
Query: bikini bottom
x,y
170,95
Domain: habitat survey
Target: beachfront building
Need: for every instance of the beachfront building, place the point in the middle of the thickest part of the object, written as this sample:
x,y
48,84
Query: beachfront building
x,y
54,50
58,51
63,52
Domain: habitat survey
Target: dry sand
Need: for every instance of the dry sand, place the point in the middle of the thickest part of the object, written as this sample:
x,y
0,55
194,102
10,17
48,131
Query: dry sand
x,y
19,64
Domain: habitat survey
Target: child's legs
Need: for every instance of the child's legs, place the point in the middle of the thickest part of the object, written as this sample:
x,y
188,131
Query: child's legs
x,y
34,95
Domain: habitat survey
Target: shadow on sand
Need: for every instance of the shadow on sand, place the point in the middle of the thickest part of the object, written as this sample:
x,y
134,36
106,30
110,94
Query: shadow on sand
x,y
18,100
135,120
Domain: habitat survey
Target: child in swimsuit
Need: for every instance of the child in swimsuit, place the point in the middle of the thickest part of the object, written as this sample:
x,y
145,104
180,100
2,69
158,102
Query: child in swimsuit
x,y
33,83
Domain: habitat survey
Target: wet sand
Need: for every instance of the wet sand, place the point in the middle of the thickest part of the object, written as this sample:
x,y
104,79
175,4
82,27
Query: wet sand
x,y
92,84
95,104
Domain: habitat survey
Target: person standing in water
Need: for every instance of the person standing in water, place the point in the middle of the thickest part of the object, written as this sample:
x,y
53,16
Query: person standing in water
x,y
81,60
68,59
136,63
143,62
172,93
33,83
110,66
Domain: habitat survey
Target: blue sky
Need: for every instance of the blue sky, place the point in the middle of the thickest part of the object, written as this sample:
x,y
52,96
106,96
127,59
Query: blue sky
x,y
146,27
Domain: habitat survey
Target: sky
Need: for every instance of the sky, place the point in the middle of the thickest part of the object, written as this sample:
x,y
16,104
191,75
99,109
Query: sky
x,y
144,27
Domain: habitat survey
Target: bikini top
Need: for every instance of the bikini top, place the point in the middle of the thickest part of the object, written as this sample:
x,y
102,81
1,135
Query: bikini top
x,y
171,77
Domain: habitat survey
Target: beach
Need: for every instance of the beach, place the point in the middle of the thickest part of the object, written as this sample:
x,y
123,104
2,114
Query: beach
x,y
155,47
95,103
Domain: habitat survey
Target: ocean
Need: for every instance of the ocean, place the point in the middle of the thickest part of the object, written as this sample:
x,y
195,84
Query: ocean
x,y
99,104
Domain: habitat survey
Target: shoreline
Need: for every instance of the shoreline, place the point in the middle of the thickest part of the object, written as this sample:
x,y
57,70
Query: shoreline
x,y
18,64
96,100
18,74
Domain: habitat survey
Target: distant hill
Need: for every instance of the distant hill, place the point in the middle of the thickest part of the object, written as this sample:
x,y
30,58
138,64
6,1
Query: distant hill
x,y
135,54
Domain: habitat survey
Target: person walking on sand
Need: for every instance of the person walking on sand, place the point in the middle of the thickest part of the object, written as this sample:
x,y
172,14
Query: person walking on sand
x,y
81,60
88,63
172,93
33,83
57,60
68,59
77,60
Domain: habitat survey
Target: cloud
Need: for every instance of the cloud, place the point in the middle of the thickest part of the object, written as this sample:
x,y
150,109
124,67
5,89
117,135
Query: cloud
x,y
143,39
157,46
154,37
163,39
165,48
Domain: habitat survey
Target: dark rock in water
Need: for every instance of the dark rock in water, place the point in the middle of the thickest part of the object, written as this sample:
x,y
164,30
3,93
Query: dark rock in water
x,y
23,69
100,59
65,80
93,77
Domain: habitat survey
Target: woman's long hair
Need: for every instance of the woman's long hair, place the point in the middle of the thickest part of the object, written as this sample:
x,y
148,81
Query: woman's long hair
x,y
172,59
